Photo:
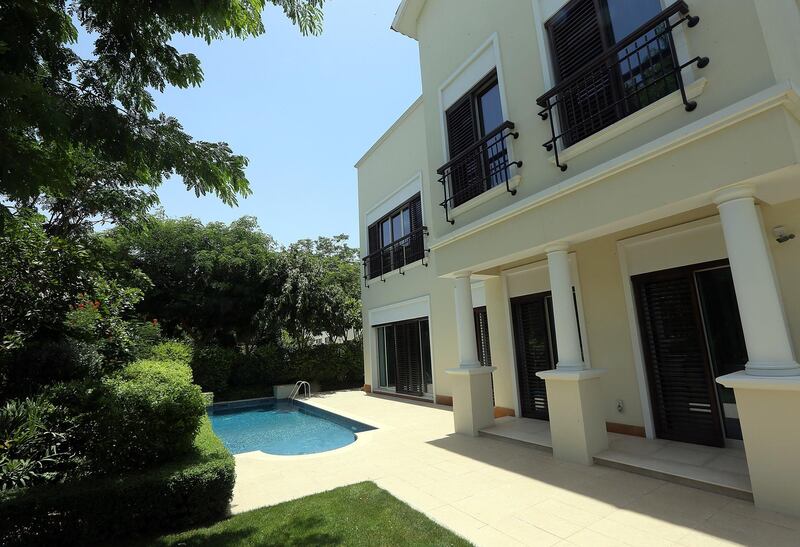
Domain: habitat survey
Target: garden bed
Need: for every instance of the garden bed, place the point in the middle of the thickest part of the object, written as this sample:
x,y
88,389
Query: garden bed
x,y
195,490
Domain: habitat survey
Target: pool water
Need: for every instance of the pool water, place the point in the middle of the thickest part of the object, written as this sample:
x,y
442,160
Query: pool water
x,y
282,428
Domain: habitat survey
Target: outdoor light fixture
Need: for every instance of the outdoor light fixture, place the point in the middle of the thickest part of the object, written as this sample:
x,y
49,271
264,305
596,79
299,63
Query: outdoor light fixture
x,y
780,234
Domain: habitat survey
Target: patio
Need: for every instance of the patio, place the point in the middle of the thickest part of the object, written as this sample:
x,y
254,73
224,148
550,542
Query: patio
x,y
721,470
495,492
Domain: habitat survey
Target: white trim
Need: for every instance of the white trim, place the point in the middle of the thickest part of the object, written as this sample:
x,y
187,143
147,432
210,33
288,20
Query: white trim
x,y
742,380
540,288
389,131
488,195
509,329
400,311
660,262
491,44
640,117
782,94
392,201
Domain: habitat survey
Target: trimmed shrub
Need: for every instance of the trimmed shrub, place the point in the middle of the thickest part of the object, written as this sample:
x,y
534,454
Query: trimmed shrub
x,y
172,350
147,413
212,365
193,491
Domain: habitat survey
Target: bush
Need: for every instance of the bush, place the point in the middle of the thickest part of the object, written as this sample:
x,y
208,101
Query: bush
x,y
333,366
32,451
172,350
44,362
212,367
147,413
193,491
266,364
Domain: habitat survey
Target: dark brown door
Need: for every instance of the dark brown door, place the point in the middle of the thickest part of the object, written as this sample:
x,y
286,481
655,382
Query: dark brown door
x,y
535,343
682,393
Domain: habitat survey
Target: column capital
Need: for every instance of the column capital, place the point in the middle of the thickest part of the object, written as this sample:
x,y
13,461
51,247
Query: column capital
x,y
558,246
462,275
730,194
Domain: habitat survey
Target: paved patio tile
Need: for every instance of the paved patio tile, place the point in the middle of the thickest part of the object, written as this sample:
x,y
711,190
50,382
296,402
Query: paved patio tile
x,y
495,492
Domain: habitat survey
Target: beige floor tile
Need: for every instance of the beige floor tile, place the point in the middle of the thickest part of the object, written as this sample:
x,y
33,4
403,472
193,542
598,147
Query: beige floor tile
x,y
455,519
549,522
495,492
526,533
490,537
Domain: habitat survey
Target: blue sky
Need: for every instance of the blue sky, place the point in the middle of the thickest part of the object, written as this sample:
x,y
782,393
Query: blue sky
x,y
302,109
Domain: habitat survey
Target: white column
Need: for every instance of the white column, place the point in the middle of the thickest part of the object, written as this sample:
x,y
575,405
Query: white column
x,y
765,331
465,323
566,322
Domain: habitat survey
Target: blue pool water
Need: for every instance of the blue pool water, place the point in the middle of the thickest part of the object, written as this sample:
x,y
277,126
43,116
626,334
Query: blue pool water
x,y
278,427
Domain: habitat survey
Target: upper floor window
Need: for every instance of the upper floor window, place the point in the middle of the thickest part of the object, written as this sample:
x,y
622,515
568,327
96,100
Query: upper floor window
x,y
476,142
396,239
610,59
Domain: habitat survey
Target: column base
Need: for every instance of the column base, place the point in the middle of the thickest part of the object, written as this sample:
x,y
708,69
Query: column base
x,y
768,408
577,419
472,399
772,370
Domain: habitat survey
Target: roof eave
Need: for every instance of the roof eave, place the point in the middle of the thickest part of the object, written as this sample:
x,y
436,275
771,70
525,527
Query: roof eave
x,y
405,19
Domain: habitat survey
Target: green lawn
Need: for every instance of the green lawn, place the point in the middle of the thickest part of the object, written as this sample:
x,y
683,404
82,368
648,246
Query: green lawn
x,y
360,514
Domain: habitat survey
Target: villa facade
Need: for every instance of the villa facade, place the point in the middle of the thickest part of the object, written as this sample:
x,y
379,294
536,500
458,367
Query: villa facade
x,y
588,218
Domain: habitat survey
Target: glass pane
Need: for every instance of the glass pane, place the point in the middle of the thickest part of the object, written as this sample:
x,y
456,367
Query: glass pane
x,y
386,232
724,335
425,345
491,110
628,15
381,331
397,227
391,358
406,221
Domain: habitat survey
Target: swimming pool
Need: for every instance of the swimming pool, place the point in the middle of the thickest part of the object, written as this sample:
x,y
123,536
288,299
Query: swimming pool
x,y
281,428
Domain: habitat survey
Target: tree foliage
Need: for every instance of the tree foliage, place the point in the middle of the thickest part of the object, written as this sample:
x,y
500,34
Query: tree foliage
x,y
82,135
206,278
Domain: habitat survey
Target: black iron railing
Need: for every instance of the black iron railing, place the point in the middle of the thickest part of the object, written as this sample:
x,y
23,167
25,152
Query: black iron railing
x,y
480,167
394,256
637,71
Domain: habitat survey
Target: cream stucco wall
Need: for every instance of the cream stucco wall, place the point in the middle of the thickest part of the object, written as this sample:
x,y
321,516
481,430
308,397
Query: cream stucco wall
x,y
731,34
659,174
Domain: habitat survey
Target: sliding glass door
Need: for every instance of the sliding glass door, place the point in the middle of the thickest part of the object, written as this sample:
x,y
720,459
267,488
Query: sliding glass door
x,y
404,357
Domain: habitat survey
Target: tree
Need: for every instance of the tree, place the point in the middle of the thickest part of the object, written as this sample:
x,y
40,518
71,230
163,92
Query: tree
x,y
206,278
86,128
314,289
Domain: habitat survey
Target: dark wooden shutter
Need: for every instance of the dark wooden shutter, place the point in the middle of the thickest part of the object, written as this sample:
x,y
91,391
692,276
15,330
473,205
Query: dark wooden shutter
x,y
416,244
409,359
535,345
462,132
374,242
577,36
681,388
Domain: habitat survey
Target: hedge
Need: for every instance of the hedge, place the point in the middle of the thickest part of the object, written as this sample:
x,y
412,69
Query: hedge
x,y
193,491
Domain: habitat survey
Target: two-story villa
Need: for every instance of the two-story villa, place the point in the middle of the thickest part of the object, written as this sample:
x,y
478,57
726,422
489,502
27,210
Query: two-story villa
x,y
586,225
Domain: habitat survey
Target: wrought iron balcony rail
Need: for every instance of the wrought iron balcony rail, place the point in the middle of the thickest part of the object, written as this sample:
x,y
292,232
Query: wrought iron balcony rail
x,y
394,256
637,71
479,168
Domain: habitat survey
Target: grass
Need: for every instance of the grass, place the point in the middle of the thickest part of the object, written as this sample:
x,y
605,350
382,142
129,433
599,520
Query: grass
x,y
360,514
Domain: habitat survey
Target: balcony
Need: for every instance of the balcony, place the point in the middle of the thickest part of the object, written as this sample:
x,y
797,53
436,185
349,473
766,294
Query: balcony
x,y
479,168
638,71
395,256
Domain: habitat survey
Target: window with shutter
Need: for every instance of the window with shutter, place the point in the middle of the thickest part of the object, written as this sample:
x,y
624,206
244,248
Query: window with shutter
x,y
584,31
404,360
396,239
473,117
